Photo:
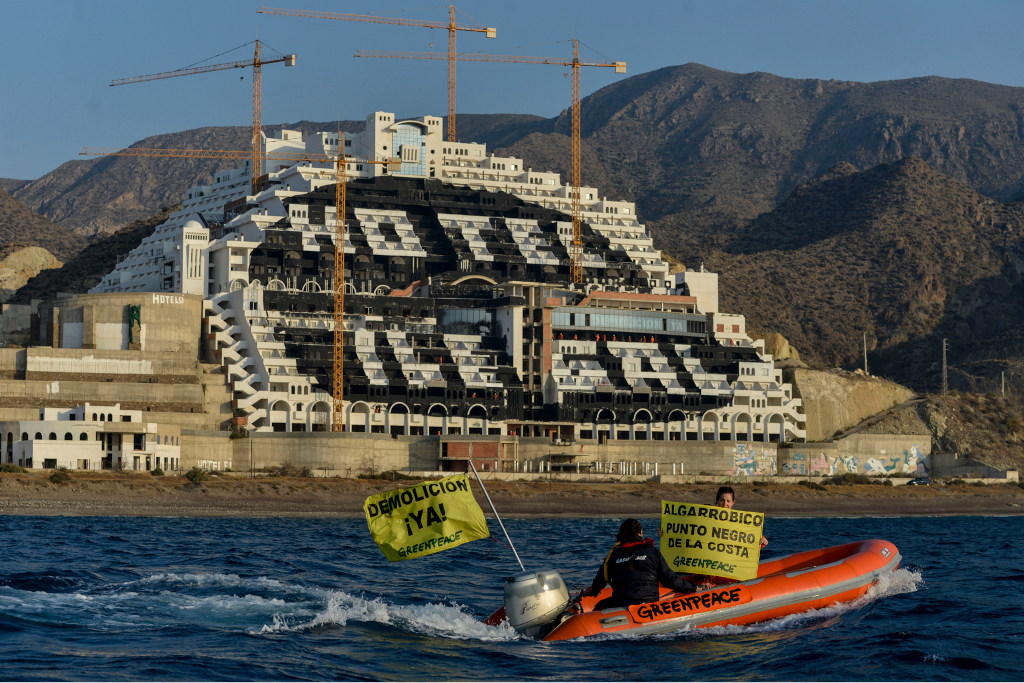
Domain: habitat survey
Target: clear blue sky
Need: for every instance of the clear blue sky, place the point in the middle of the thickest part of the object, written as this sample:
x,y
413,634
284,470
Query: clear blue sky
x,y
60,55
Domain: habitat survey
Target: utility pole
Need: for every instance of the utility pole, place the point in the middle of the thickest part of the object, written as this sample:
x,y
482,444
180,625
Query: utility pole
x,y
945,384
865,353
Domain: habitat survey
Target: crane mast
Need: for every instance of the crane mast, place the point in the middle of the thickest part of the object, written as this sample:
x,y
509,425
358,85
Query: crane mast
x,y
338,381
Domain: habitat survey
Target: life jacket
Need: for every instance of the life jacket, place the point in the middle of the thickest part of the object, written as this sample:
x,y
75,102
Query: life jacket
x,y
628,544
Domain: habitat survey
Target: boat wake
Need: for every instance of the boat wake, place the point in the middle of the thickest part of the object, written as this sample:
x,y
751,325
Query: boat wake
x,y
432,619
257,606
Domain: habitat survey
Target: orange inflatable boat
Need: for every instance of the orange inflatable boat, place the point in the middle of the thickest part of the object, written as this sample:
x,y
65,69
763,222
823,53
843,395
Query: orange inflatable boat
x,y
537,603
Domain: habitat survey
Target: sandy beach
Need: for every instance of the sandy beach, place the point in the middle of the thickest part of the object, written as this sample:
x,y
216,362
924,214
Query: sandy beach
x,y
104,493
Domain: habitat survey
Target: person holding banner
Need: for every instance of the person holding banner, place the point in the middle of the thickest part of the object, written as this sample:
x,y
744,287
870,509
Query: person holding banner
x,y
635,568
725,498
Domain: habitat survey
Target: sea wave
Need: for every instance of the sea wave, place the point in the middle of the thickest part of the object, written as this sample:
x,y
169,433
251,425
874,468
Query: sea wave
x,y
433,619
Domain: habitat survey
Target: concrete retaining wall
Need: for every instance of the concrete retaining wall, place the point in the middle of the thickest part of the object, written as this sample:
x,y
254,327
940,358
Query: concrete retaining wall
x,y
327,453
166,322
951,465
872,454
353,454
17,393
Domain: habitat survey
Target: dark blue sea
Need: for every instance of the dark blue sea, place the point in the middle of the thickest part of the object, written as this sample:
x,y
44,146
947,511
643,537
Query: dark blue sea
x,y
174,599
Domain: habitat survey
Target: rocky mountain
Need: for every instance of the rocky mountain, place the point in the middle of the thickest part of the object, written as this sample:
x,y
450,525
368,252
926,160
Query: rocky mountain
x,y
900,253
20,227
86,268
11,184
701,151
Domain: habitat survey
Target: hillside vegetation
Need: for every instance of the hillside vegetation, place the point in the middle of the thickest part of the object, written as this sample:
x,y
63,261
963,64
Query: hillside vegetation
x,y
900,253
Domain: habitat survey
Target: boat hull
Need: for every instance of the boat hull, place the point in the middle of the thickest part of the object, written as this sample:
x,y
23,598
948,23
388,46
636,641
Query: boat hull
x,y
787,585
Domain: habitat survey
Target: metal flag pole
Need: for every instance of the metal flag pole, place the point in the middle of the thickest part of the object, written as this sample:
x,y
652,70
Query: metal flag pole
x,y
496,516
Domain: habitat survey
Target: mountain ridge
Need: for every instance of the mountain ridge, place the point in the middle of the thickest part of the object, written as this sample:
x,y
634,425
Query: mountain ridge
x,y
817,200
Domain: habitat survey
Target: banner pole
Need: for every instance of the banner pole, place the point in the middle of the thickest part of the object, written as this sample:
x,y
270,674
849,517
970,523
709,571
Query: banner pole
x,y
496,516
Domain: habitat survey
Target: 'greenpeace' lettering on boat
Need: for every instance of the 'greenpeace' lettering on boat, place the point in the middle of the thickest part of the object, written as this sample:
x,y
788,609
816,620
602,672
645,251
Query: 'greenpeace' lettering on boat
x,y
690,604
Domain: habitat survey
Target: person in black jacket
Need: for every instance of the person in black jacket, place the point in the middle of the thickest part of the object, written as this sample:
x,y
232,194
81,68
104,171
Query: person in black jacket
x,y
634,568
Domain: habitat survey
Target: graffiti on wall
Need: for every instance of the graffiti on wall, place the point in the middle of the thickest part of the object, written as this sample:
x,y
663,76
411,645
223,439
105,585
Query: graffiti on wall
x,y
749,460
911,462
797,466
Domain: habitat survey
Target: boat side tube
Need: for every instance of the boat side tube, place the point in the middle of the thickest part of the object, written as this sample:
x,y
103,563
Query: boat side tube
x,y
788,585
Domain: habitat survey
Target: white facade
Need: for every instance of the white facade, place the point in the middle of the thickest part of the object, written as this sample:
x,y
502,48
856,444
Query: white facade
x,y
90,437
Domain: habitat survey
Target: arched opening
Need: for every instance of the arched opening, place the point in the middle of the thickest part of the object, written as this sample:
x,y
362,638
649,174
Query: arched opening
x,y
436,418
398,419
320,416
279,416
642,425
742,427
359,417
775,428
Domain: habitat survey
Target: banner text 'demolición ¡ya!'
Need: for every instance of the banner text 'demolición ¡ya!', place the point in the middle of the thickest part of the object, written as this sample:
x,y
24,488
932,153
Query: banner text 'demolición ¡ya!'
x,y
426,518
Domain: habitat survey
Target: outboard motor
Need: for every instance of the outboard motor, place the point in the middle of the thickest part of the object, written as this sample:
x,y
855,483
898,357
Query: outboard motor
x,y
534,600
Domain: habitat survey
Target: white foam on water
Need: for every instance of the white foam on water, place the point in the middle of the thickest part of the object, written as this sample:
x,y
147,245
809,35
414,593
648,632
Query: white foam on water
x,y
210,580
900,581
169,600
448,621
219,603
39,602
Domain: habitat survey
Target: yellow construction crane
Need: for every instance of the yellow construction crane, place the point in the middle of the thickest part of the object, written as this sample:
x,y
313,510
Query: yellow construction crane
x,y
576,249
450,26
256,63
340,161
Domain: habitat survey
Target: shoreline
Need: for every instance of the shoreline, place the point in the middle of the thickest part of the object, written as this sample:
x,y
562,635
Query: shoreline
x,y
144,495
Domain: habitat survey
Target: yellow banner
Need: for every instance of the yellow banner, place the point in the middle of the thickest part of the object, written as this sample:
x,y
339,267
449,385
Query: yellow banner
x,y
704,539
425,519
